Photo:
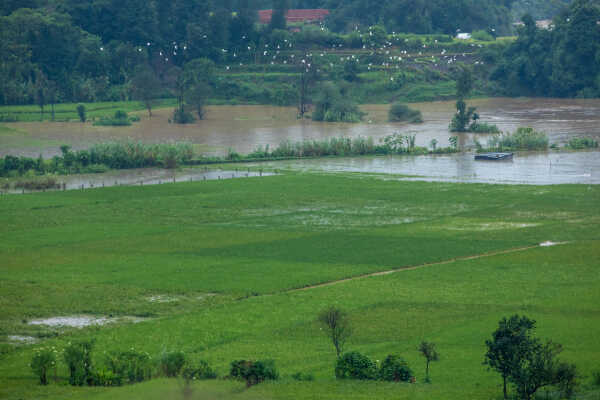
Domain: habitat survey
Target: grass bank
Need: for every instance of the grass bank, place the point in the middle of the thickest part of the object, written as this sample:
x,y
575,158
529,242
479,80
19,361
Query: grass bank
x,y
213,249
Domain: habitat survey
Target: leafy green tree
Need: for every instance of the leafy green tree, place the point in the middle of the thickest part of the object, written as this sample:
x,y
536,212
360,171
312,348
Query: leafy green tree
x,y
462,118
198,78
41,92
427,350
146,87
509,344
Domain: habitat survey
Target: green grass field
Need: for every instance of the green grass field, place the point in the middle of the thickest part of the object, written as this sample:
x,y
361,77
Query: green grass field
x,y
228,255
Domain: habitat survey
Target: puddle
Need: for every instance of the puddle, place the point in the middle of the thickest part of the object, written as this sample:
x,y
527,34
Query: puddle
x,y
81,321
22,339
549,244
147,176
161,298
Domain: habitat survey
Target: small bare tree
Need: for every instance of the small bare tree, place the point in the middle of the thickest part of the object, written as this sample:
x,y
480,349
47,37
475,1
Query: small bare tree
x,y
428,351
337,327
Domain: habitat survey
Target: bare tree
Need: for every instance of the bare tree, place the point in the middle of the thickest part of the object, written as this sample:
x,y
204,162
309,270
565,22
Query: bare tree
x,y
337,327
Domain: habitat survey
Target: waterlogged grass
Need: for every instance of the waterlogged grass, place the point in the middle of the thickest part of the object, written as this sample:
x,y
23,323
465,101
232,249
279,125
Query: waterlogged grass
x,y
68,111
108,251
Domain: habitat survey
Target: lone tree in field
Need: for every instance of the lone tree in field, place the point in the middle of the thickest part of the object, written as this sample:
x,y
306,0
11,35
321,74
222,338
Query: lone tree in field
x,y
146,87
428,351
508,345
337,327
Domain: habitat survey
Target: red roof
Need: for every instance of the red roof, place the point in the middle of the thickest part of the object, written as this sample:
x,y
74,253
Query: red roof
x,y
295,15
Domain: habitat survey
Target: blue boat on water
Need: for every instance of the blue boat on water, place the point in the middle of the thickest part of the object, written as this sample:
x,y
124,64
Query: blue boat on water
x,y
494,156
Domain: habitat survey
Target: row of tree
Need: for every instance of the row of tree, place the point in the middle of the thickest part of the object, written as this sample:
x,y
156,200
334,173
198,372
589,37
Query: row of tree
x,y
513,351
562,62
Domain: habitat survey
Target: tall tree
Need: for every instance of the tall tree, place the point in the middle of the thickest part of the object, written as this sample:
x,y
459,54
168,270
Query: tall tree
x,y
427,350
146,87
280,9
508,346
337,327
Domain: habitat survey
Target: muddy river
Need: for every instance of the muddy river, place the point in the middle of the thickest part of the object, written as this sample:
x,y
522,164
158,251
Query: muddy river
x,y
243,128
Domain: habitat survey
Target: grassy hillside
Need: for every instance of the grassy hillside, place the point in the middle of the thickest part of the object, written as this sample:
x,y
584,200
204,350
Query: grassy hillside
x,y
229,254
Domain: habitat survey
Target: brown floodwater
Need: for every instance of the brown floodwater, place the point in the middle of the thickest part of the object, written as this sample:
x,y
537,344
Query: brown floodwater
x,y
243,128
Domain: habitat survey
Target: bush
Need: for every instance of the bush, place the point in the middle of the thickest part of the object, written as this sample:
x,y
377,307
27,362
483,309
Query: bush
x,y
43,359
482,35
596,378
522,139
128,366
482,127
395,369
299,376
402,113
582,143
81,112
354,365
254,372
181,116
105,377
78,357
172,363
201,370
120,118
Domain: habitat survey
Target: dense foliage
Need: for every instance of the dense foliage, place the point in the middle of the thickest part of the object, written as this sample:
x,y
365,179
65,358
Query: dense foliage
x,y
561,62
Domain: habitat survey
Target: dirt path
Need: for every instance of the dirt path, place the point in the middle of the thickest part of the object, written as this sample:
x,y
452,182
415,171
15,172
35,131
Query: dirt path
x,y
413,267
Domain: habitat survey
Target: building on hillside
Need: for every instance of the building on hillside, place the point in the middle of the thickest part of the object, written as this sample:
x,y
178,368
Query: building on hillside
x,y
313,16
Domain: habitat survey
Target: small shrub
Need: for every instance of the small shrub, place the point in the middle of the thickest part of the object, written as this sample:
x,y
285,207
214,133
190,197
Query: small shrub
x,y
172,363
128,366
482,127
43,359
120,118
78,357
354,365
395,369
482,35
8,118
299,376
254,372
181,116
81,112
106,377
201,370
582,143
402,113
596,378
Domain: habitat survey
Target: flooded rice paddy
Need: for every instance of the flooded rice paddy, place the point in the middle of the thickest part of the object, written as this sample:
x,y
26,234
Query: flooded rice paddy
x,y
525,168
244,128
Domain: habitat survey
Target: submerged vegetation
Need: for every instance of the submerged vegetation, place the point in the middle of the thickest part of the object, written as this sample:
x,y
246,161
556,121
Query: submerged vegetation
x,y
402,113
521,139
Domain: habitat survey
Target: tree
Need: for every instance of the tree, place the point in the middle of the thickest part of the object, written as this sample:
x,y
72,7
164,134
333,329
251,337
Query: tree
x,y
280,9
464,85
337,327
198,77
308,78
428,351
146,87
540,367
41,91
508,344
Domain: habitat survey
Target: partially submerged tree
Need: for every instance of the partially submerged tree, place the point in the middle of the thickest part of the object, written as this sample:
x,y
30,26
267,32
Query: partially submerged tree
x,y
337,327
428,351
146,87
